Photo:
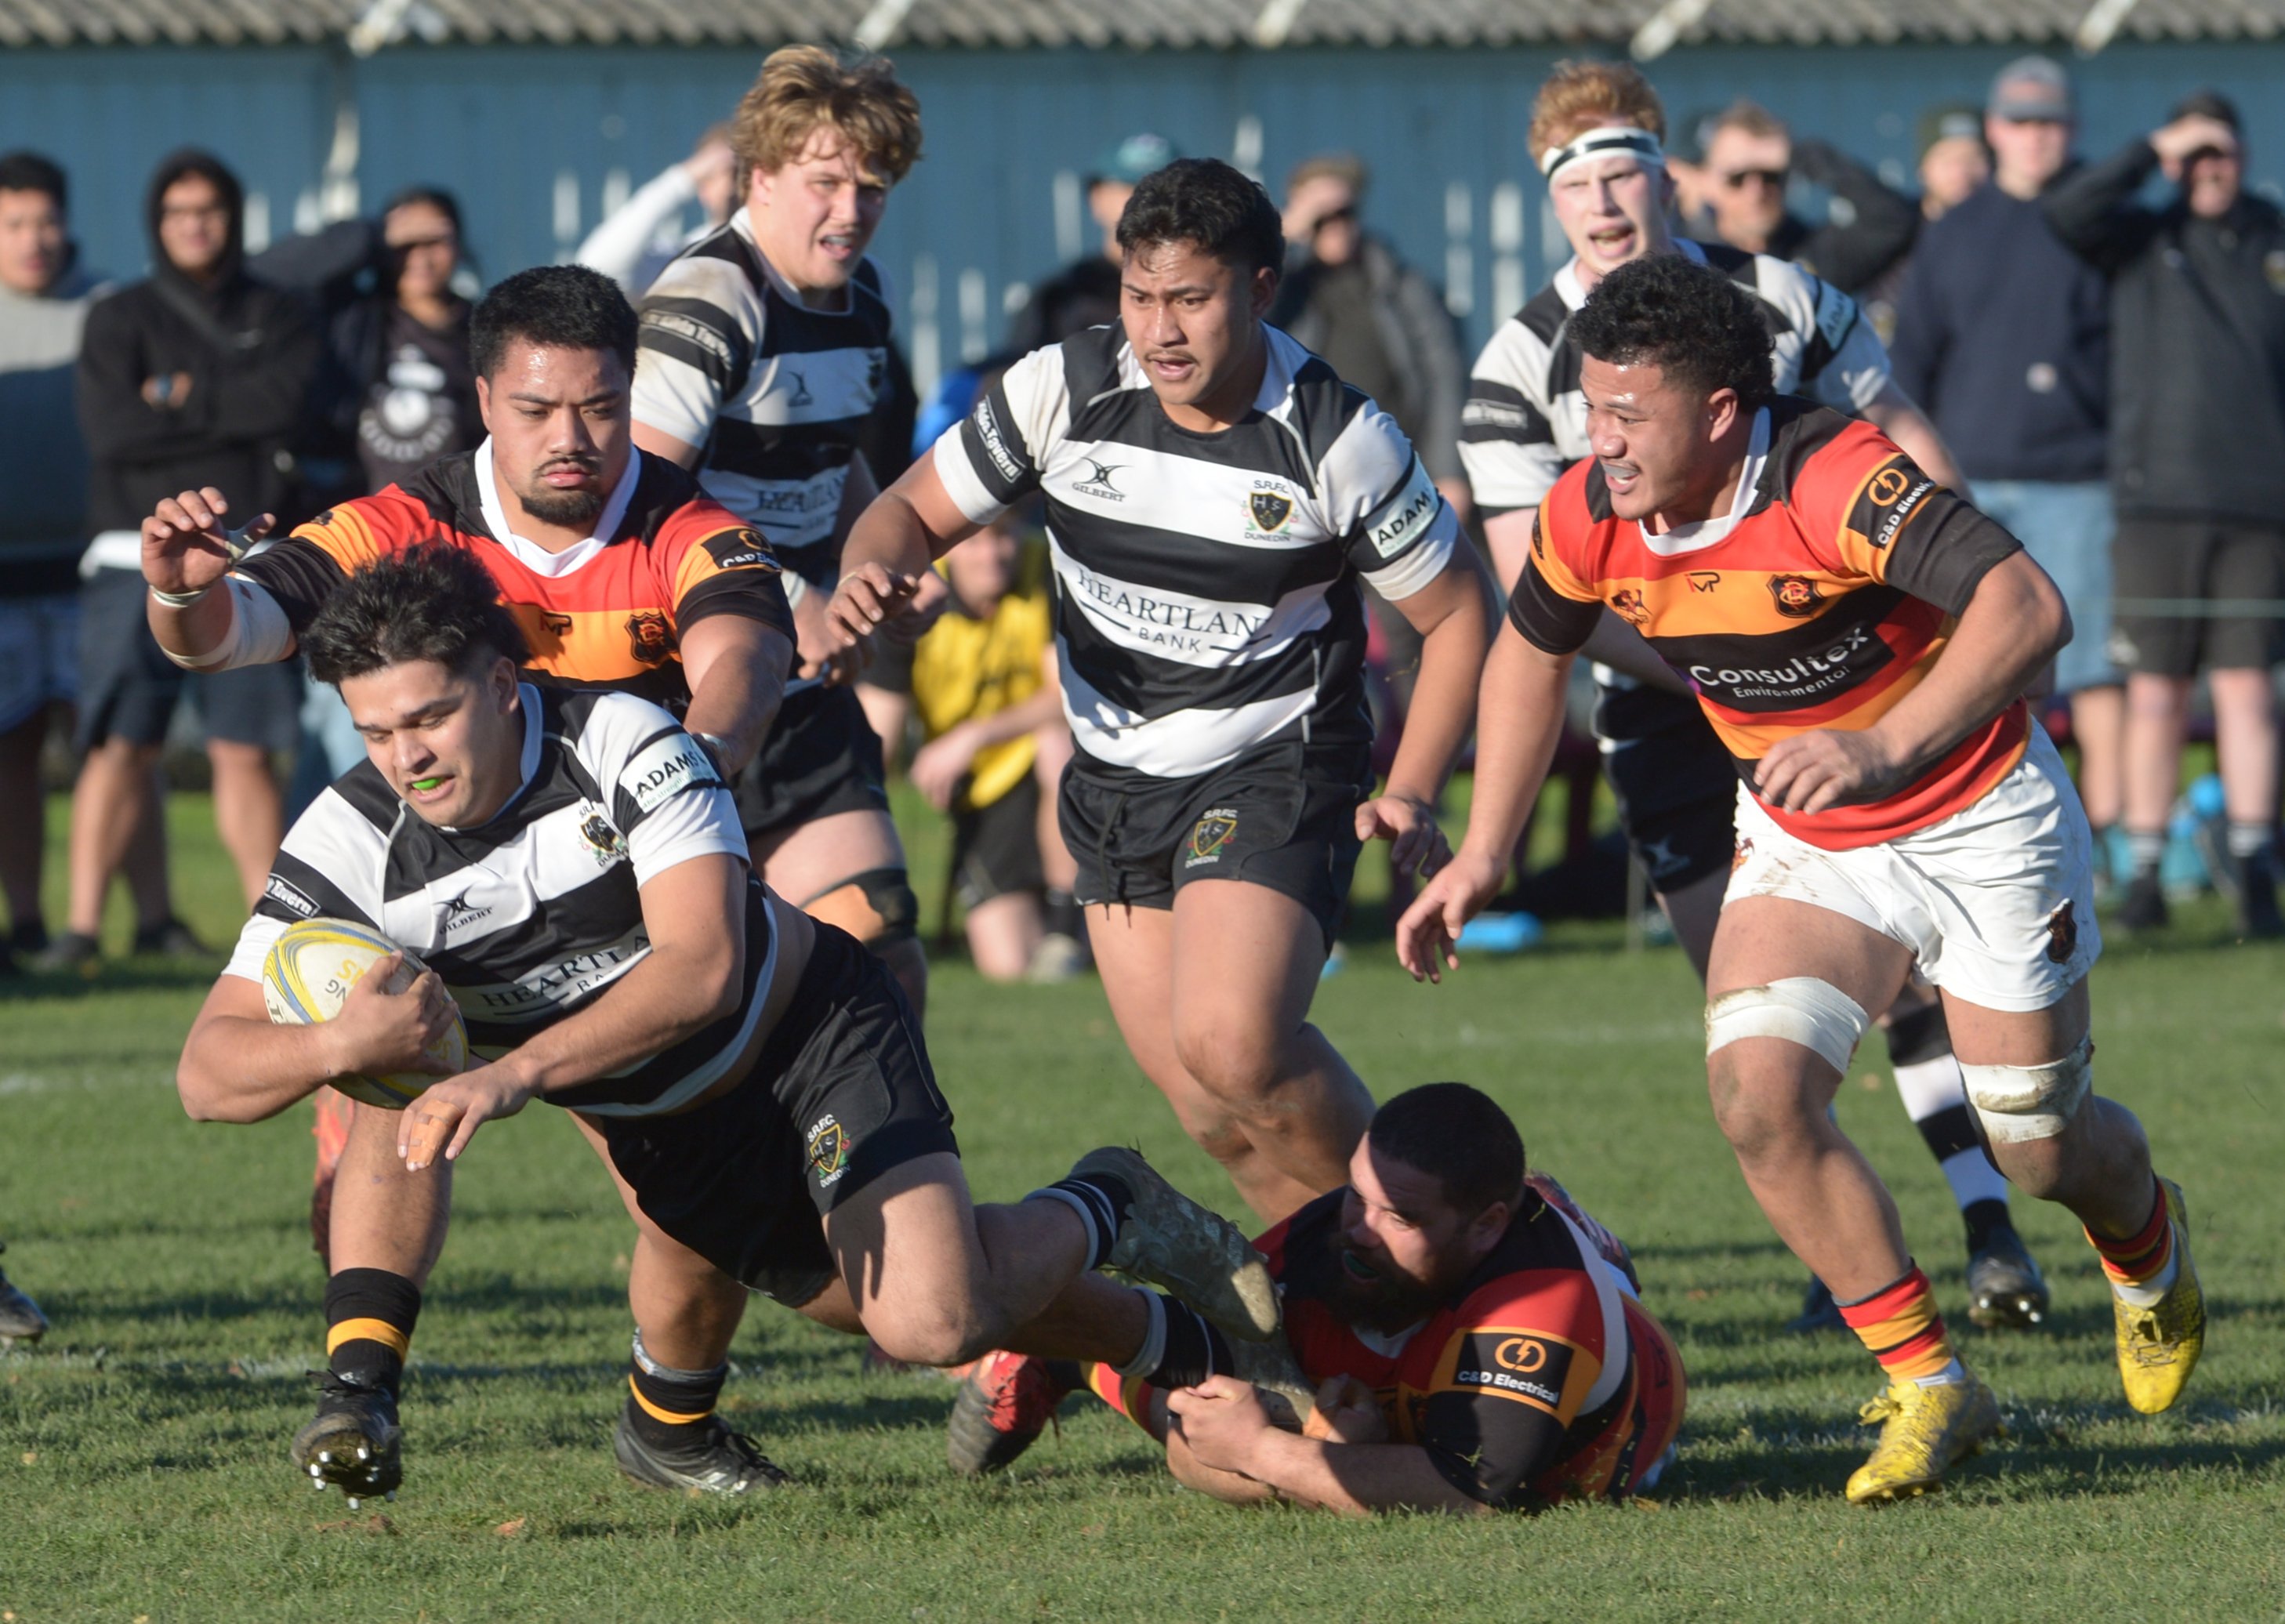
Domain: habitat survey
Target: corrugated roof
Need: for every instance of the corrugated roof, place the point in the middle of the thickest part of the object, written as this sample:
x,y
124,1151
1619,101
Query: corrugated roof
x,y
1130,24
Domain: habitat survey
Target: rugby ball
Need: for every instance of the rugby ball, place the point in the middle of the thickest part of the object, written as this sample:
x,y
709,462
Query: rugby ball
x,y
309,971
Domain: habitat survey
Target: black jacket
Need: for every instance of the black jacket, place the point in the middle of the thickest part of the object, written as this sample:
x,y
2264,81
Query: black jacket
x,y
1872,227
250,352
2197,344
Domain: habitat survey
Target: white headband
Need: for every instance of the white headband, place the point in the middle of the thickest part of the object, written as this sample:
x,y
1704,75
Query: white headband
x,y
1606,141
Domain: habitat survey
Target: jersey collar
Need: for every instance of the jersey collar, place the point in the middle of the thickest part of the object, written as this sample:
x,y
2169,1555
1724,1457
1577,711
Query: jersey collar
x,y
531,554
1573,293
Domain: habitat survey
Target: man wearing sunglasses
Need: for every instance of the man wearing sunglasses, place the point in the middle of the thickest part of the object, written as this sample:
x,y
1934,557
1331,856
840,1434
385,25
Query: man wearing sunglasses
x,y
1750,160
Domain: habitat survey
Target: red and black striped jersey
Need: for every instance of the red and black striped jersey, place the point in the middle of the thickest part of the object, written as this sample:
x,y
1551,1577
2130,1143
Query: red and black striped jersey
x,y
1523,1386
606,613
1825,596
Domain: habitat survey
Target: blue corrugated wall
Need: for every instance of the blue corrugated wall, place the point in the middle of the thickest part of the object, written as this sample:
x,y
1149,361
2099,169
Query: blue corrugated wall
x,y
535,140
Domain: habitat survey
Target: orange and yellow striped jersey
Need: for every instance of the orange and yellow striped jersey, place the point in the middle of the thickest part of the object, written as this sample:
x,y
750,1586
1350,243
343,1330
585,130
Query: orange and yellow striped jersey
x,y
606,613
1824,597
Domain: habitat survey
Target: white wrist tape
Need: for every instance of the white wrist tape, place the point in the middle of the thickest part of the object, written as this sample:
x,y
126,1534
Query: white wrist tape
x,y
2021,1103
259,632
1799,1009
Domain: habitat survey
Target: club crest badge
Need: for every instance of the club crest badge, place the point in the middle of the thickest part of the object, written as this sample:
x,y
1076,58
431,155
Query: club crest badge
x,y
649,637
1209,835
1269,510
1797,596
829,1149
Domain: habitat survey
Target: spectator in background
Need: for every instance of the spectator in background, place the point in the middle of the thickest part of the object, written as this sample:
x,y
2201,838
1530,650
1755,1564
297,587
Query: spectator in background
x,y
197,376
1750,159
983,683
2197,467
2003,337
1376,320
1954,164
632,243
44,301
1085,293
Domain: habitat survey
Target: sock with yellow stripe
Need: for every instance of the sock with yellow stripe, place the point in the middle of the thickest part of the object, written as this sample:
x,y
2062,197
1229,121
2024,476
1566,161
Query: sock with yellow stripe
x,y
370,1314
1899,1325
669,1408
2144,1265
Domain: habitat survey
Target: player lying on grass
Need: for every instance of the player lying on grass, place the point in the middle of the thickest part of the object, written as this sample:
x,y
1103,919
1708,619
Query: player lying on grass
x,y
571,868
1860,638
1473,1340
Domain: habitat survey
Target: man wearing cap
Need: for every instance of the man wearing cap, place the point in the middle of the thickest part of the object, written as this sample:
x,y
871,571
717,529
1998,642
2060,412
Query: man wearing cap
x,y
2002,335
2197,471
1085,293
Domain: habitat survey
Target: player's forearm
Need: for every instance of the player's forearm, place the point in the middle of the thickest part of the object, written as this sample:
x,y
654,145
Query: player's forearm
x,y
1625,650
191,630
891,532
2011,627
1355,1479
1519,715
674,993
735,688
1443,706
1895,415
235,1069
1025,716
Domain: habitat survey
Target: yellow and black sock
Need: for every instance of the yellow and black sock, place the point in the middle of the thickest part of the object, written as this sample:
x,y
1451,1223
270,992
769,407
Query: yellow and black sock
x,y
370,1314
2141,1267
669,1409
1899,1325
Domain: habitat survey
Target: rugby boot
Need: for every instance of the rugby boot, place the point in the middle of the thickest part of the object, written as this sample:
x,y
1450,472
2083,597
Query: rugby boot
x,y
1170,1241
1006,1402
2144,907
2257,915
353,1441
72,951
2005,1288
171,938
20,1319
1924,1433
1271,1367
722,1463
2158,1346
1818,1310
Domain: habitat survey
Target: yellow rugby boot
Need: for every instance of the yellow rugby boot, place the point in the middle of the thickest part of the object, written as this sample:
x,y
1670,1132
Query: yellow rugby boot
x,y
1924,1433
2158,1346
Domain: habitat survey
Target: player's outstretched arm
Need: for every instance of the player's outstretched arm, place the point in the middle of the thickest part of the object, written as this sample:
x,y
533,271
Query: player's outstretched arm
x,y
695,913
1520,713
1893,413
1224,1429
239,1067
187,548
737,669
2015,623
905,529
1452,614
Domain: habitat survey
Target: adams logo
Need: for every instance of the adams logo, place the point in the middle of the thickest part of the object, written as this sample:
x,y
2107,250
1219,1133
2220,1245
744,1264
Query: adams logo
x,y
829,1151
1098,481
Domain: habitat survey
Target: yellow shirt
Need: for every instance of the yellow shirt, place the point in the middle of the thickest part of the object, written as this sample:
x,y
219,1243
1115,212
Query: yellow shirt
x,y
967,668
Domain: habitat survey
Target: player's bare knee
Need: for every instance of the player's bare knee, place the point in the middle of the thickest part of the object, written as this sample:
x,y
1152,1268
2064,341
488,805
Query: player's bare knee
x,y
1237,1062
940,1335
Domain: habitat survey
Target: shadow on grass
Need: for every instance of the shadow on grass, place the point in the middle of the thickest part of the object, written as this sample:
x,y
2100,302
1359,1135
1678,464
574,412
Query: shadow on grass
x,y
136,974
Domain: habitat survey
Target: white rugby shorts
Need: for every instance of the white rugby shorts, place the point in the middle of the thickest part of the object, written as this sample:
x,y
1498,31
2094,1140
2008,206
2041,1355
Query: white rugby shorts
x,y
1996,902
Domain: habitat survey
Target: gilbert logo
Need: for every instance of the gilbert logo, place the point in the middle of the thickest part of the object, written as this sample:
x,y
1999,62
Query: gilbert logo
x,y
1098,481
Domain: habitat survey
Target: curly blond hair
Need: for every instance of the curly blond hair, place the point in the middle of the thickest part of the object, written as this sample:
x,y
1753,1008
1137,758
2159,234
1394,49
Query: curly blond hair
x,y
1578,95
804,88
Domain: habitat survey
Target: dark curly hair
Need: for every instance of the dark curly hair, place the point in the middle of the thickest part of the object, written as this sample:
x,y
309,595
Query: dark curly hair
x,y
1691,321
434,602
566,305
1459,1136
1206,201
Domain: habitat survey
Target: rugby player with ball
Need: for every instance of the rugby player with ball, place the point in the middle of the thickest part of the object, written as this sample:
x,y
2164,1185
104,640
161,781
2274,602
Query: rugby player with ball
x,y
570,868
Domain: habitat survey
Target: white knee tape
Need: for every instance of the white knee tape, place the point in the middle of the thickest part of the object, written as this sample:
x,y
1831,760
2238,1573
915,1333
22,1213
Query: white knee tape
x,y
2020,1103
1799,1009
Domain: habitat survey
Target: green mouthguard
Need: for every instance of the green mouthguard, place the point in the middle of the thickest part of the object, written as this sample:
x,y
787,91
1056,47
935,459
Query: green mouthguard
x,y
426,784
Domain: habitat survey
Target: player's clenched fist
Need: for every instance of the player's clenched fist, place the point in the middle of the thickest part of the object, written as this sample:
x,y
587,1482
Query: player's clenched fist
x,y
187,547
1346,1413
447,1115
1426,935
379,1032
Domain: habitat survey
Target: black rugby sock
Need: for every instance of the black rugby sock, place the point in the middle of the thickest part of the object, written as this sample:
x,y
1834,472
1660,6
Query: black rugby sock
x,y
1194,1350
370,1314
1100,1200
669,1408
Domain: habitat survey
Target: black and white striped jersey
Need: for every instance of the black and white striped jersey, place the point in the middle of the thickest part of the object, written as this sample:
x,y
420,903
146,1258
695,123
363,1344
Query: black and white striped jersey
x,y
776,394
1207,584
1526,421
531,916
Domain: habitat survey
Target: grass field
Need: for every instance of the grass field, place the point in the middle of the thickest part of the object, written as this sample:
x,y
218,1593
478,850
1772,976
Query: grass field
x,y
143,1470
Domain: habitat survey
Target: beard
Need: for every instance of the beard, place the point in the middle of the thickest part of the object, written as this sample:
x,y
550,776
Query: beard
x,y
1387,1303
567,507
